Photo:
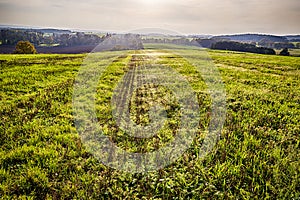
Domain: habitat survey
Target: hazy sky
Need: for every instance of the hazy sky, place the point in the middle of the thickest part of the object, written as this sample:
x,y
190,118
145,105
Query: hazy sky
x,y
183,16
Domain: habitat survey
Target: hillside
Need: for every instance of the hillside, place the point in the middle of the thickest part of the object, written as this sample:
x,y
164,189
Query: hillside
x,y
252,38
293,38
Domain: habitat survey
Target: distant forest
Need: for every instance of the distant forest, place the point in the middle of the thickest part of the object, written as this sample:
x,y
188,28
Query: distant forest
x,y
268,41
63,41
66,41
13,36
243,47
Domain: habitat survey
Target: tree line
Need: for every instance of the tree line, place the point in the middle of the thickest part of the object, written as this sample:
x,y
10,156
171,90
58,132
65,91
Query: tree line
x,y
243,47
111,43
278,45
13,36
67,39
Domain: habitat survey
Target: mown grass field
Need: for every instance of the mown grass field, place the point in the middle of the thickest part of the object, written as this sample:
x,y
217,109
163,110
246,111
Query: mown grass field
x,y
257,157
295,52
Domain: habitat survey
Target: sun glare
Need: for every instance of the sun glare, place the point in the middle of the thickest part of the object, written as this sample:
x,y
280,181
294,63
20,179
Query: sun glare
x,y
153,2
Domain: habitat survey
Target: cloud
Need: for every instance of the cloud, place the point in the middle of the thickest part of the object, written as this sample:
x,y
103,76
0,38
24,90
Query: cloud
x,y
189,16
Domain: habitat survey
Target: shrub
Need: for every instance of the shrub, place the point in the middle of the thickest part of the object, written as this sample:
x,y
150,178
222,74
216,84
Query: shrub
x,y
25,47
284,52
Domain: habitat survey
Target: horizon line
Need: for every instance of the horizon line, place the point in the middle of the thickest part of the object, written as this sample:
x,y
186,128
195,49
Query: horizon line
x,y
154,28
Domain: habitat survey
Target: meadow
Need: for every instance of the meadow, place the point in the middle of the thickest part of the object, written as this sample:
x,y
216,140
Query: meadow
x,y
257,156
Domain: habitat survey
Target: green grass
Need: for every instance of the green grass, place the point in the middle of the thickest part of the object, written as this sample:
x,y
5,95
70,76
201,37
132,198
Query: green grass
x,y
49,45
42,156
295,52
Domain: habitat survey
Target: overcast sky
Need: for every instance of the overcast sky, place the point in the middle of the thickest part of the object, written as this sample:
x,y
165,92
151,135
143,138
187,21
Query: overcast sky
x,y
183,16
